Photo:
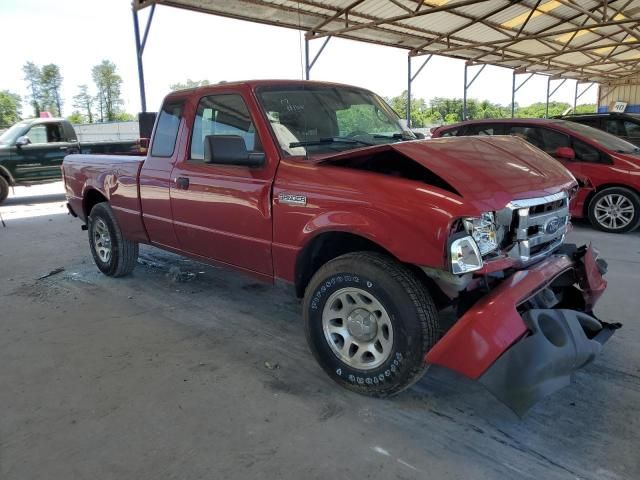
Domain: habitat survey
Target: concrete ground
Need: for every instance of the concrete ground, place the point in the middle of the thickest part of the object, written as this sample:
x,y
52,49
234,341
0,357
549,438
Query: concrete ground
x,y
187,371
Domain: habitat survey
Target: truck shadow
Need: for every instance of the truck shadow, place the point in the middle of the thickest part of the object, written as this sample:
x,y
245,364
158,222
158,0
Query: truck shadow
x,y
33,200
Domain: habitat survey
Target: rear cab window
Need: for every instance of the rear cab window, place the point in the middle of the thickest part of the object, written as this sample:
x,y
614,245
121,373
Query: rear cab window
x,y
485,129
164,139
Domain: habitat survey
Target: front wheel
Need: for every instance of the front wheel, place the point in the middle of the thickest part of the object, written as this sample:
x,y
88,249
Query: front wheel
x,y
113,254
369,323
615,210
4,189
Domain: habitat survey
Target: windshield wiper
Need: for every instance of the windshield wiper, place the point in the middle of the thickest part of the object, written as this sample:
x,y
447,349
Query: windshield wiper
x,y
395,136
329,140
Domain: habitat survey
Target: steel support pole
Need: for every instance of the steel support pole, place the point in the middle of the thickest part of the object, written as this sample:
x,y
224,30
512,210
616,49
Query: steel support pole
x,y
546,108
136,29
575,96
513,95
464,95
307,68
409,81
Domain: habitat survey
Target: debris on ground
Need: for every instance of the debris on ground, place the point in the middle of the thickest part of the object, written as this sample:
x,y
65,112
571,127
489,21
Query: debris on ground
x,y
53,272
272,365
177,275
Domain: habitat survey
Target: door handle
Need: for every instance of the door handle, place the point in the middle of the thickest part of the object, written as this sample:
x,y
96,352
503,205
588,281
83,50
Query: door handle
x,y
182,183
63,148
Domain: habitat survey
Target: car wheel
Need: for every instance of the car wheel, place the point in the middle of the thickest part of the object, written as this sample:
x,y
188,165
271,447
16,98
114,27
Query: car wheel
x,y
615,210
369,323
4,189
113,254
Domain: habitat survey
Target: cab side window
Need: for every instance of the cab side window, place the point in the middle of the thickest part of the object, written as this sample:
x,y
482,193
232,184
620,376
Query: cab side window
x,y
224,114
38,134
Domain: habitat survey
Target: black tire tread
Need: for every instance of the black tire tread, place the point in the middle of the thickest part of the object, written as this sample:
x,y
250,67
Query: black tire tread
x,y
125,251
4,189
424,304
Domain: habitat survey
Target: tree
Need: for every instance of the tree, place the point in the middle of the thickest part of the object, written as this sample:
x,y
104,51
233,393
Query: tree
x,y
10,108
189,84
32,77
84,102
50,84
108,84
76,117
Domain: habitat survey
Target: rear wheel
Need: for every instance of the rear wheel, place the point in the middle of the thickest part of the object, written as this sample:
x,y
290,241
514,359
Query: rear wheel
x,y
113,254
4,189
615,210
369,323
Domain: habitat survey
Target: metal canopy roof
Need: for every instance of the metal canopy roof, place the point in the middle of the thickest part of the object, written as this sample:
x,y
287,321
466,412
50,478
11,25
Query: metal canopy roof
x,y
587,40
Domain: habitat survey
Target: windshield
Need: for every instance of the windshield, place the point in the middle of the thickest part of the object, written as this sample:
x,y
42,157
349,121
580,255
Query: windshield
x,y
9,137
318,119
606,140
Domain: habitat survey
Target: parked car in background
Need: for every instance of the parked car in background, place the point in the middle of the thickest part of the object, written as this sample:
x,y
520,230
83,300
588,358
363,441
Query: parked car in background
x,y
31,151
320,186
623,125
607,168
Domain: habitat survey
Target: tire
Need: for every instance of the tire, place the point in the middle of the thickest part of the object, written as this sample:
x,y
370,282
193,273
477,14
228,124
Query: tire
x,y
4,189
405,316
615,210
113,254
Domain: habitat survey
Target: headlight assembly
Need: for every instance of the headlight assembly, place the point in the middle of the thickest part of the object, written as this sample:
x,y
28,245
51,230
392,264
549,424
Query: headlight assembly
x,y
483,231
465,255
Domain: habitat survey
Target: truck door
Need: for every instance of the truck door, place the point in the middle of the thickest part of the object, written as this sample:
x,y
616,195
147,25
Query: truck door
x,y
40,159
223,212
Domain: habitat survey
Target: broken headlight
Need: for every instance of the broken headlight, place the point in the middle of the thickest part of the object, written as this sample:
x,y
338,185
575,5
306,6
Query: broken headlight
x,y
483,231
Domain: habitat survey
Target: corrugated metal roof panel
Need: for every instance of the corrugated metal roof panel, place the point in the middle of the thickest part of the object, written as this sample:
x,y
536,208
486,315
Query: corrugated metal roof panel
x,y
576,39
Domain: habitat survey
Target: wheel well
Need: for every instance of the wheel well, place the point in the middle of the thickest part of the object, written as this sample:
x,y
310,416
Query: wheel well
x,y
327,246
598,189
6,175
91,199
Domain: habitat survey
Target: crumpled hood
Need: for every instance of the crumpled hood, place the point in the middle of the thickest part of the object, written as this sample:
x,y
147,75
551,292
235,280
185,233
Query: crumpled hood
x,y
488,171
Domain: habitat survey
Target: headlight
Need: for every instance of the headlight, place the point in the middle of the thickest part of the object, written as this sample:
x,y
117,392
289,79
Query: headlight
x,y
483,231
465,256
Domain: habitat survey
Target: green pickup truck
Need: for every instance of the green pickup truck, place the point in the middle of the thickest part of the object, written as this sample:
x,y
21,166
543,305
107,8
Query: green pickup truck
x,y
32,151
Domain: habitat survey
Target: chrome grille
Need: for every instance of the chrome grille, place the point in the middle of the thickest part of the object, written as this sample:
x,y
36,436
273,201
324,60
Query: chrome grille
x,y
536,226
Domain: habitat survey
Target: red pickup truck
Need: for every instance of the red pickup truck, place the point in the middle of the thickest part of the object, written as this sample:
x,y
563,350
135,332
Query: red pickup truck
x,y
319,185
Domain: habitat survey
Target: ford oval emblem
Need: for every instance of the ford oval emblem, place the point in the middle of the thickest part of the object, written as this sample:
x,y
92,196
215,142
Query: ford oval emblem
x,y
552,226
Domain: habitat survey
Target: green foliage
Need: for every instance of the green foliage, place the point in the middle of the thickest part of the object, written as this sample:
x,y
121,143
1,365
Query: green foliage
x,y
83,101
108,84
10,108
76,117
441,110
44,84
50,84
362,118
32,77
125,117
188,84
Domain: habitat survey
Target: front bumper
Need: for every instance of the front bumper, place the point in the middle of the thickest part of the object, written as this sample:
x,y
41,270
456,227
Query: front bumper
x,y
522,354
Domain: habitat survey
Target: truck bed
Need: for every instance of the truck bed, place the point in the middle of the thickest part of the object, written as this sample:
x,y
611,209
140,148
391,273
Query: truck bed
x,y
114,177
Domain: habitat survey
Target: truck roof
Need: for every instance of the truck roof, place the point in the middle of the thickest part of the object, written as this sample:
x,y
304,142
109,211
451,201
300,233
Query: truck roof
x,y
259,83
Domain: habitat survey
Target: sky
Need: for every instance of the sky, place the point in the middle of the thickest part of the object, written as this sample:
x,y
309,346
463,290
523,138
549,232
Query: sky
x,y
78,34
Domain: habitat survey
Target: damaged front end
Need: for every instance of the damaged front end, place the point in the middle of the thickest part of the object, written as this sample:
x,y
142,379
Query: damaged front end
x,y
525,338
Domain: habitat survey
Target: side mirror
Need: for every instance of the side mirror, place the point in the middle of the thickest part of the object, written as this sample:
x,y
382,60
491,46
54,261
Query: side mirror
x,y
565,153
230,150
22,141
